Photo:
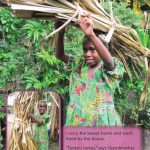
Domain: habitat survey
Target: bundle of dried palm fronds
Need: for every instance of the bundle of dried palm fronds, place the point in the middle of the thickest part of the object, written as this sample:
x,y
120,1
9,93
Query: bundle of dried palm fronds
x,y
54,115
21,136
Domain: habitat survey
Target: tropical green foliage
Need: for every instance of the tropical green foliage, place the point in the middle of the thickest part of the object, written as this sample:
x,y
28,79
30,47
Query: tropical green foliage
x,y
123,13
2,104
127,102
144,36
27,59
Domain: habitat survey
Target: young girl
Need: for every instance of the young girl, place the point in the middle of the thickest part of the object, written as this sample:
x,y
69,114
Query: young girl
x,y
93,80
41,120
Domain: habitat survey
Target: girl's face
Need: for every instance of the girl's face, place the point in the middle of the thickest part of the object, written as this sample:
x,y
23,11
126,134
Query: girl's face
x,y
90,54
42,107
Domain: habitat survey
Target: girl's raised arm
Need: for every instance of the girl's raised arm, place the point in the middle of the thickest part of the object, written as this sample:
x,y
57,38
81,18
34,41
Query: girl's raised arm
x,y
59,44
35,120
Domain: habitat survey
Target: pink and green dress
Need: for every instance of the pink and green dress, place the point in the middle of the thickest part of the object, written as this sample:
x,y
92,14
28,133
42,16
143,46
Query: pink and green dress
x,y
92,99
41,132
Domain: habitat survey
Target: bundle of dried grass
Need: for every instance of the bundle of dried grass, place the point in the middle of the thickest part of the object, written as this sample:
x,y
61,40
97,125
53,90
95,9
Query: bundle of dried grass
x,y
21,136
54,115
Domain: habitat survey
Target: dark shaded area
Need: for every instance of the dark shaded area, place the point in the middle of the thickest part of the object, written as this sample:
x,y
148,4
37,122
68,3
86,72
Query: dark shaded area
x,y
3,127
2,3
145,8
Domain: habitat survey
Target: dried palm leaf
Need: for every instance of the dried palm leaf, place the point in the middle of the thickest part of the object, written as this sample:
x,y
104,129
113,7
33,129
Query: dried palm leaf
x,y
54,115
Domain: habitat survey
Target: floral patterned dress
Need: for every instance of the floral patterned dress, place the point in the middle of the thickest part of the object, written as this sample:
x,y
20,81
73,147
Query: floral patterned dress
x,y
41,132
92,99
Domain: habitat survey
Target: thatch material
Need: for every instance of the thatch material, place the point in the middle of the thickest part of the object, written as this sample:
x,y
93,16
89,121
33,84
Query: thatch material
x,y
54,115
21,136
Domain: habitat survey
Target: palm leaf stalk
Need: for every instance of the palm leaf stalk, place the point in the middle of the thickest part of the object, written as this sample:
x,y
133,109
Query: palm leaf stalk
x,y
126,44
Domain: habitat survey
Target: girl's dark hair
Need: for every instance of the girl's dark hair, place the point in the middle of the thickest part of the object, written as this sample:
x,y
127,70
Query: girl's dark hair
x,y
100,35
